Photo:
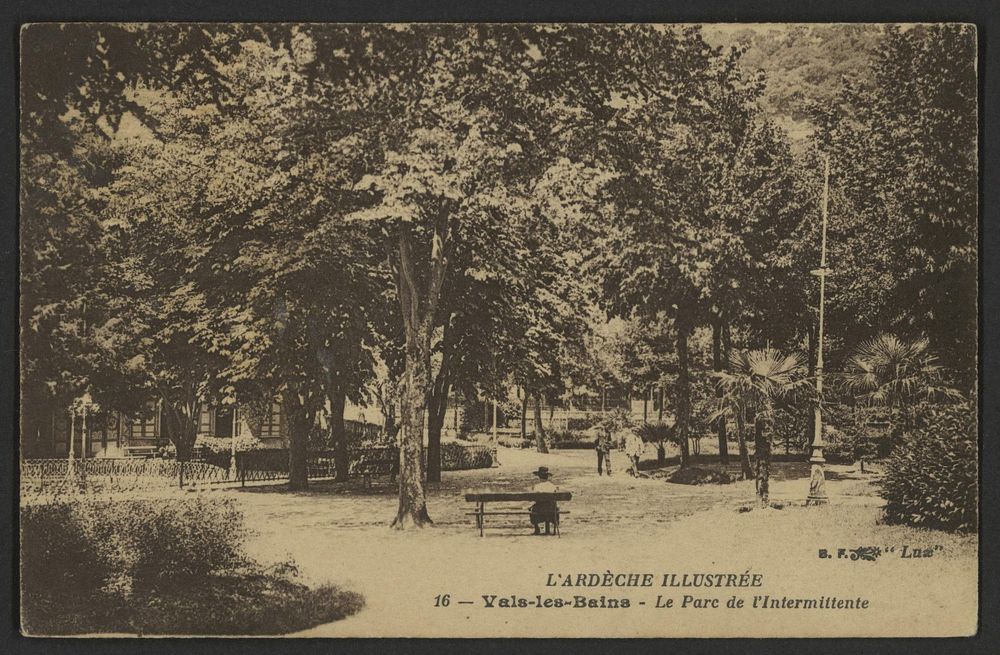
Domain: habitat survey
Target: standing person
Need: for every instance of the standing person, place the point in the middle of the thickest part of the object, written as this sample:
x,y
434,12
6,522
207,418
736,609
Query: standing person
x,y
603,447
543,511
633,450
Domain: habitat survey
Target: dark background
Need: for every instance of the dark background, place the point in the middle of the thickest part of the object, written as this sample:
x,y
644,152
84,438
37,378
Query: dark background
x,y
983,13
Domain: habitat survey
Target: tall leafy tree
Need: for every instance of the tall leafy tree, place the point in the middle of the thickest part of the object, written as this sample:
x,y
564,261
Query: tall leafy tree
x,y
448,147
904,170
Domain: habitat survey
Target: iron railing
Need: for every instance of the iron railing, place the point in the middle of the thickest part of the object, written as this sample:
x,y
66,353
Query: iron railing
x,y
130,473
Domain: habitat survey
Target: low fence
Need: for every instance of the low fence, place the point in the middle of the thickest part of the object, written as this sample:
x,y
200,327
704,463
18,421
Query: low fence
x,y
130,473
58,476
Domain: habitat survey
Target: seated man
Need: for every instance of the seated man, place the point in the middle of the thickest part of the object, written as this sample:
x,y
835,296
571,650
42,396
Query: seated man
x,y
543,511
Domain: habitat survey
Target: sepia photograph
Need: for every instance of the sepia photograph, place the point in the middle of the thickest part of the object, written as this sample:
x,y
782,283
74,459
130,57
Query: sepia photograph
x,y
498,329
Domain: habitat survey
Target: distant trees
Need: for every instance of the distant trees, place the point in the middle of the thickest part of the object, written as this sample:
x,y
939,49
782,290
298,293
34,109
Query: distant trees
x,y
805,63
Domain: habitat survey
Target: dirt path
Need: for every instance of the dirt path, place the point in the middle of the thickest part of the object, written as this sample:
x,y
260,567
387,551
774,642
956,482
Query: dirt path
x,y
339,533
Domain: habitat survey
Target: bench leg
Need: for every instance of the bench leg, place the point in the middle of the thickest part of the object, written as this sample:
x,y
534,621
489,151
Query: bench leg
x,y
481,517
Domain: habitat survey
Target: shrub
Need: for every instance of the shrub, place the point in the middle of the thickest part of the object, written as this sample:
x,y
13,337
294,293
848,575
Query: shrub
x,y
224,445
132,544
57,556
582,423
218,450
695,476
513,441
569,439
460,457
656,433
789,429
850,446
932,478
162,566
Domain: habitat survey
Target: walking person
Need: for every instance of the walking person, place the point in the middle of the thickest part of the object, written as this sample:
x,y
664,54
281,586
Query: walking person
x,y
603,447
633,451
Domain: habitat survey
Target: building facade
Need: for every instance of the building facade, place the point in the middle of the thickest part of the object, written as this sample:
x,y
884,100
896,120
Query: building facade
x,y
111,434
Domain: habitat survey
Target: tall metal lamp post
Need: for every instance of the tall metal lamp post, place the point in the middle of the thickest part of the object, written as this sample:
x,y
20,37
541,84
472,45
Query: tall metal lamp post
x,y
817,478
233,471
496,440
71,457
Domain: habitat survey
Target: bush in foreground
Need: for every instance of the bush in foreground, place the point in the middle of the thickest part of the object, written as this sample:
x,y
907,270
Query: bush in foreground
x,y
158,566
932,478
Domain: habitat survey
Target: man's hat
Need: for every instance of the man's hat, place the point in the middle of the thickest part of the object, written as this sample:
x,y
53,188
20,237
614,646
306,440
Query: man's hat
x,y
542,472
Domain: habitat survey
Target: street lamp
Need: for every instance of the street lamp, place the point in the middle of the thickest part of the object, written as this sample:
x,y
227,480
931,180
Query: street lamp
x,y
232,456
71,463
817,479
496,440
84,404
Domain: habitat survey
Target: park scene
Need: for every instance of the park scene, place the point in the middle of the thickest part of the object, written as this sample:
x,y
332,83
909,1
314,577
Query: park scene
x,y
353,330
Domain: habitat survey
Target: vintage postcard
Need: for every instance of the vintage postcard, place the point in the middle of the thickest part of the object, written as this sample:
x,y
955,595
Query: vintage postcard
x,y
498,330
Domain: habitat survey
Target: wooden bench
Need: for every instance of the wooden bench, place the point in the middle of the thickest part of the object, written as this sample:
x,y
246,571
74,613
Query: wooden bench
x,y
483,497
376,461
141,451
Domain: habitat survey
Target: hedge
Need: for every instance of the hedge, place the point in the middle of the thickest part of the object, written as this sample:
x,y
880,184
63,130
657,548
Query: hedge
x,y
931,478
461,457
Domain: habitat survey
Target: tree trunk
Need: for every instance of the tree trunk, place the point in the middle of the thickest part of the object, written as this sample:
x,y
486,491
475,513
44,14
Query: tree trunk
x,y
524,414
719,366
412,510
338,434
645,407
437,404
418,308
539,429
181,426
762,455
438,407
300,421
389,427
742,441
683,394
661,448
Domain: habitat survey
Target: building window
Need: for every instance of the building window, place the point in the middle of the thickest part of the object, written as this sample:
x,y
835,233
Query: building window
x,y
205,420
224,421
271,425
144,426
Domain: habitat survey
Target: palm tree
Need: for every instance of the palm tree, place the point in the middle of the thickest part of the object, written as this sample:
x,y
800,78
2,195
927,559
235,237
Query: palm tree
x,y
896,374
755,382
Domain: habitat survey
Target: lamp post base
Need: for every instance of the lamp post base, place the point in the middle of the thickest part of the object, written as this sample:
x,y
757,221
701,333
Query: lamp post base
x,y
817,485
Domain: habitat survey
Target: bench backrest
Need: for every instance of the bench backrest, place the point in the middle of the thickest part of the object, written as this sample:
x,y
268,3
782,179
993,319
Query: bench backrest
x,y
500,496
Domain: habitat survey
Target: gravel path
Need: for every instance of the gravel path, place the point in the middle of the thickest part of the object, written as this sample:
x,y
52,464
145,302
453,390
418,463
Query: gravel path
x,y
338,533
